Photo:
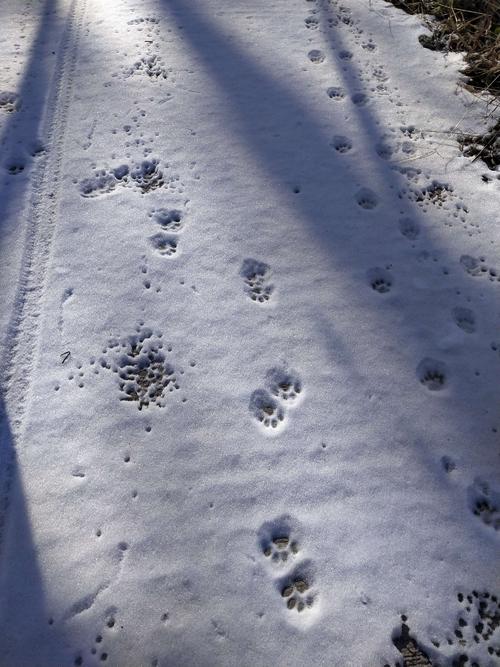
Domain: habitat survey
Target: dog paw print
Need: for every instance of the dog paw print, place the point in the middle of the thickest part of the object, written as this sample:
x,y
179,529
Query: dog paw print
x,y
280,549
256,278
266,409
432,374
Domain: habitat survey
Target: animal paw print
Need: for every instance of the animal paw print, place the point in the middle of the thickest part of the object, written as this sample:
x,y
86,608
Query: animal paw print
x,y
366,198
485,504
9,101
380,280
266,409
256,277
335,93
280,549
341,144
146,19
465,319
145,176
286,386
104,181
297,593
478,267
164,245
316,56
267,404
312,22
432,374
170,220
409,228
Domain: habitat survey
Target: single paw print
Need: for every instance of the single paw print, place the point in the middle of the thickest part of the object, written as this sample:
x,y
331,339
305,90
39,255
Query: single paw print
x,y
280,549
170,220
380,280
316,56
366,199
266,409
485,503
286,386
465,319
432,374
256,277
164,245
297,594
341,144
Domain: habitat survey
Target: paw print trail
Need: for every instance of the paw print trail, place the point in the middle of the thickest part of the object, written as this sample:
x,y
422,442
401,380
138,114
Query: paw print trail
x,y
292,575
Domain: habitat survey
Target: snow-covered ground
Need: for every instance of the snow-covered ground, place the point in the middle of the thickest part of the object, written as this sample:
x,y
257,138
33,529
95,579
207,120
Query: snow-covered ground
x,y
251,342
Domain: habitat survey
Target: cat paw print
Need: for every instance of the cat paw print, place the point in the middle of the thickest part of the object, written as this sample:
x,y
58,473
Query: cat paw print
x,y
380,280
171,223
164,244
266,409
284,385
9,101
169,219
432,373
280,549
283,390
297,593
256,276
485,504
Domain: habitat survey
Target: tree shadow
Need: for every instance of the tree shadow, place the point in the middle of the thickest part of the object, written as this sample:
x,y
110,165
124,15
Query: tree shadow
x,y
23,151
414,326
23,617
27,633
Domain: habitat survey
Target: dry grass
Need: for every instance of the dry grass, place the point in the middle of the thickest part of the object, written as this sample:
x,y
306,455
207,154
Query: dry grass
x,y
473,28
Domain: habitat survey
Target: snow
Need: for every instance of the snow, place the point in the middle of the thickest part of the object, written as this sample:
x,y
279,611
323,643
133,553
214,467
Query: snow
x,y
275,275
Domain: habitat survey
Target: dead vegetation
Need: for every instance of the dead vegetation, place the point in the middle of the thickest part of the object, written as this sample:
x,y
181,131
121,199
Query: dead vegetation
x,y
471,27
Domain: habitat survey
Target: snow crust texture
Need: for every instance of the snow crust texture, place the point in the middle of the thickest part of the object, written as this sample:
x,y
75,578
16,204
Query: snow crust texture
x,y
250,340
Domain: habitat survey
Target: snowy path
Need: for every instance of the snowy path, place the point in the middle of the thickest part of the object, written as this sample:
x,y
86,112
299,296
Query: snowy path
x,y
276,430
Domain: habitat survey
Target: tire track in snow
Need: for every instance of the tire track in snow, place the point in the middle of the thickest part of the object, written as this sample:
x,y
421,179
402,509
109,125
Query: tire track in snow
x,y
23,330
